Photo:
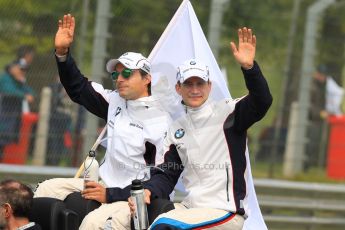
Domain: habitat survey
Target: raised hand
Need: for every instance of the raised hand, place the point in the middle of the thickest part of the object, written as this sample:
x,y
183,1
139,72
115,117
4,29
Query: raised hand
x,y
64,35
245,52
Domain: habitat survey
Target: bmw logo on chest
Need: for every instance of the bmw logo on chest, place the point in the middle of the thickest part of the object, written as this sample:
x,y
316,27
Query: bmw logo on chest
x,y
179,133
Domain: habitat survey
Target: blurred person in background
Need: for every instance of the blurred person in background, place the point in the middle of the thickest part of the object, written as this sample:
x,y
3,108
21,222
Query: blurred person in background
x,y
333,95
326,98
15,95
16,203
25,55
60,125
17,69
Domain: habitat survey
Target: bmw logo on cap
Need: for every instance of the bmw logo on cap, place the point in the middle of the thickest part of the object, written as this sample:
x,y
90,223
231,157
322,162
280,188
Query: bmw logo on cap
x,y
192,62
179,133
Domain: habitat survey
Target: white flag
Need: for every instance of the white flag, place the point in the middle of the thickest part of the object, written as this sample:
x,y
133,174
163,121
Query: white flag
x,y
184,39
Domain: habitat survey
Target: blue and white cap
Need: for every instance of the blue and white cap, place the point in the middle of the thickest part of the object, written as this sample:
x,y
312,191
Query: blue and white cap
x,y
130,60
192,68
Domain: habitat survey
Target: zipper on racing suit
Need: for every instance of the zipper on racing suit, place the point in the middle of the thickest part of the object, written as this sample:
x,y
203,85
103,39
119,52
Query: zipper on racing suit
x,y
227,181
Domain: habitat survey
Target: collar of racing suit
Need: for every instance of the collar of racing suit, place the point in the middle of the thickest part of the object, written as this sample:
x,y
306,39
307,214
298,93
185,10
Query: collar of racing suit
x,y
142,102
199,116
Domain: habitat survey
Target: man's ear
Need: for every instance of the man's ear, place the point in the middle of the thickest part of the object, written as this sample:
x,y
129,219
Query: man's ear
x,y
178,88
7,210
148,78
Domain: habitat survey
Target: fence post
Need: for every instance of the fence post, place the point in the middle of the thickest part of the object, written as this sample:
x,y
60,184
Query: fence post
x,y
293,162
314,14
39,155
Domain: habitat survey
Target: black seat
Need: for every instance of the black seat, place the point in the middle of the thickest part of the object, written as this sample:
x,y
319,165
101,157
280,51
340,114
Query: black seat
x,y
54,214
157,207
79,205
51,214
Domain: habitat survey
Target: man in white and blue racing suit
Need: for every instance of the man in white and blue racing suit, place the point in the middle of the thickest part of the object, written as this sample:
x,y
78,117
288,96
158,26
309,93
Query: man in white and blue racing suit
x,y
136,127
208,145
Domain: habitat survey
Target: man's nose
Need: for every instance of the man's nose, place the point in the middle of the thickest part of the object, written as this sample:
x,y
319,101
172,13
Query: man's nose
x,y
120,77
194,88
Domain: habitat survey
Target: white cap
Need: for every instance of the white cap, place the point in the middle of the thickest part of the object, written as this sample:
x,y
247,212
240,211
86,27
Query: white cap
x,y
130,60
192,68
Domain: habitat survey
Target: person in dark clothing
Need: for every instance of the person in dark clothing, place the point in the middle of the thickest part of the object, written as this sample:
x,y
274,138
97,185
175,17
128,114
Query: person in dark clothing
x,y
14,94
16,203
59,124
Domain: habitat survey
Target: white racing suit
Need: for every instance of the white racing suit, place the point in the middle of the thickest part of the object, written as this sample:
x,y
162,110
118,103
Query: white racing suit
x,y
135,133
208,144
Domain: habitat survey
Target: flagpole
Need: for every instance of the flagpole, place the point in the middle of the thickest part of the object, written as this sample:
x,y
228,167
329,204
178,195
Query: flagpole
x,y
167,30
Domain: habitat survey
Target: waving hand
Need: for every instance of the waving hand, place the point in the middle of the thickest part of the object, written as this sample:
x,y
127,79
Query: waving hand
x,y
245,52
64,35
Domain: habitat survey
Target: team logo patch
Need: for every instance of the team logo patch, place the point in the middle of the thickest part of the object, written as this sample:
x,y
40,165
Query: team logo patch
x,y
179,133
118,110
146,68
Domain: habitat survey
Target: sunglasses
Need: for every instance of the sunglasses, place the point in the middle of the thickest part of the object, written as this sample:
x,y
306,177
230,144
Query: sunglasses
x,y
126,73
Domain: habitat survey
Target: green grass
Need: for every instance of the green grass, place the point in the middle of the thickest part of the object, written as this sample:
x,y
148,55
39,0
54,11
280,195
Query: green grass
x,y
313,174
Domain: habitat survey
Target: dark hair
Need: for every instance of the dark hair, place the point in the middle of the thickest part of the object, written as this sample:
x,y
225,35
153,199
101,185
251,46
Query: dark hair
x,y
143,74
18,195
323,69
24,50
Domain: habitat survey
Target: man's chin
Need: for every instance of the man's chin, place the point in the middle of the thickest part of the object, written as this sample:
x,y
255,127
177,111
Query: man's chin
x,y
126,96
122,94
195,103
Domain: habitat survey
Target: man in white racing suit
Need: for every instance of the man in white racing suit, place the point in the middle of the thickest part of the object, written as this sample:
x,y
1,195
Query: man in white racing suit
x,y
135,129
208,145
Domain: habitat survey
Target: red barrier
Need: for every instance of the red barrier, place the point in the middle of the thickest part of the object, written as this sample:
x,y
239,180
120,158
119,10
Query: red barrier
x,y
16,153
336,148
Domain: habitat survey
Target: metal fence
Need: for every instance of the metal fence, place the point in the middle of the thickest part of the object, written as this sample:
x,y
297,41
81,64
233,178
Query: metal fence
x,y
136,26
